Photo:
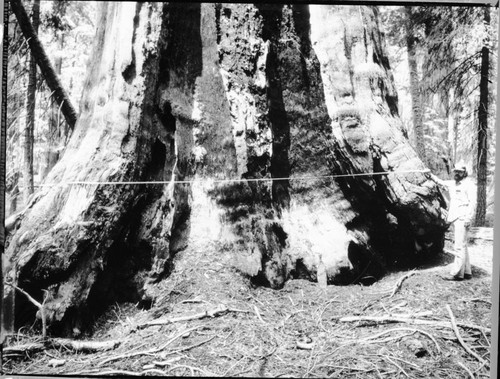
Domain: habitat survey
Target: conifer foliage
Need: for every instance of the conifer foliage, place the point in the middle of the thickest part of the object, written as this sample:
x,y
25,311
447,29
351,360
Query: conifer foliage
x,y
448,50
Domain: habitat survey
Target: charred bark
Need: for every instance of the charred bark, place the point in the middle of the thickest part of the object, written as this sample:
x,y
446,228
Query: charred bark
x,y
43,62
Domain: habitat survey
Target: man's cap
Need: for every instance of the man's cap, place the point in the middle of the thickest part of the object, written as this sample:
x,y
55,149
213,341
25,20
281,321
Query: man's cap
x,y
459,167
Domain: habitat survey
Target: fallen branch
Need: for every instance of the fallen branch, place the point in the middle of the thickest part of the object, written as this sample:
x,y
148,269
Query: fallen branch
x,y
170,362
192,369
219,311
190,347
402,329
395,364
118,372
257,313
479,300
40,307
409,320
466,369
399,283
462,342
78,346
148,351
84,346
16,350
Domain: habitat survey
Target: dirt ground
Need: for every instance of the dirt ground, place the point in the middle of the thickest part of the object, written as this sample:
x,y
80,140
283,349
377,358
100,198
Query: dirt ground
x,y
215,323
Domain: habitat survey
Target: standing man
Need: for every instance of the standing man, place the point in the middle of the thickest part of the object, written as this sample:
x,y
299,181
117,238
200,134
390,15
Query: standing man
x,y
460,214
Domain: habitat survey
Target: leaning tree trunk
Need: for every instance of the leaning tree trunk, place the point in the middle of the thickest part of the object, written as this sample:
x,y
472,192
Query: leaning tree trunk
x,y
29,130
277,98
55,122
37,51
482,130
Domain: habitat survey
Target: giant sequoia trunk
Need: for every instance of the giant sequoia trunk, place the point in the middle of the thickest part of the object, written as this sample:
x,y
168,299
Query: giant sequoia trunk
x,y
279,98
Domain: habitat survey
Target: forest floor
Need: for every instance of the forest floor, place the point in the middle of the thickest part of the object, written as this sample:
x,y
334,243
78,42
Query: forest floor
x,y
217,324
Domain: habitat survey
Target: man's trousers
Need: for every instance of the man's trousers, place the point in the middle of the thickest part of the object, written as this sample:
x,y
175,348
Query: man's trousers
x,y
461,265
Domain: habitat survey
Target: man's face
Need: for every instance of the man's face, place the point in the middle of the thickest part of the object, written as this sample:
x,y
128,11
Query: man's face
x,y
458,175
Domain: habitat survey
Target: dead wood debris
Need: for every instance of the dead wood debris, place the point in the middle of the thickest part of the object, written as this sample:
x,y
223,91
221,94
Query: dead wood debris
x,y
40,306
56,343
410,320
466,369
374,338
21,350
218,311
157,349
399,283
84,346
462,342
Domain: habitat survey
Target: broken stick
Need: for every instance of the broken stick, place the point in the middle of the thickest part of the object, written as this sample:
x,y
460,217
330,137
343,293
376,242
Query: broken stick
x,y
40,306
459,337
84,346
148,351
399,283
219,311
409,320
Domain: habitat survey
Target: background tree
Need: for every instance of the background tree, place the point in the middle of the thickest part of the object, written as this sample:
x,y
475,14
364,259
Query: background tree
x,y
451,41
411,24
482,133
66,32
29,129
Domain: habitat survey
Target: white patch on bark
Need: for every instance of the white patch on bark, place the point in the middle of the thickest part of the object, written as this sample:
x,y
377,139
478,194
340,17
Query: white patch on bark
x,y
79,198
316,235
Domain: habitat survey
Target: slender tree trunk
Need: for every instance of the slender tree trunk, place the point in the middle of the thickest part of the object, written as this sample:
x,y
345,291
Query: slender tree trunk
x,y
29,130
43,62
482,131
415,89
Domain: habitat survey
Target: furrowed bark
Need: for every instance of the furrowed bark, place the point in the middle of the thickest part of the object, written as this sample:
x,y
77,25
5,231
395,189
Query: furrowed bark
x,y
3,146
29,130
227,91
43,62
482,131
415,87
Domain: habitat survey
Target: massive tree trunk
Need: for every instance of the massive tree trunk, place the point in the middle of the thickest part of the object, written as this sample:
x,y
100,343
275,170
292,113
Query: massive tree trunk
x,y
29,130
3,149
278,98
482,130
37,51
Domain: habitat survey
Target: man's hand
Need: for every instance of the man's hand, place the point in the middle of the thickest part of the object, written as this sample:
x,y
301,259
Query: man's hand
x,y
467,224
